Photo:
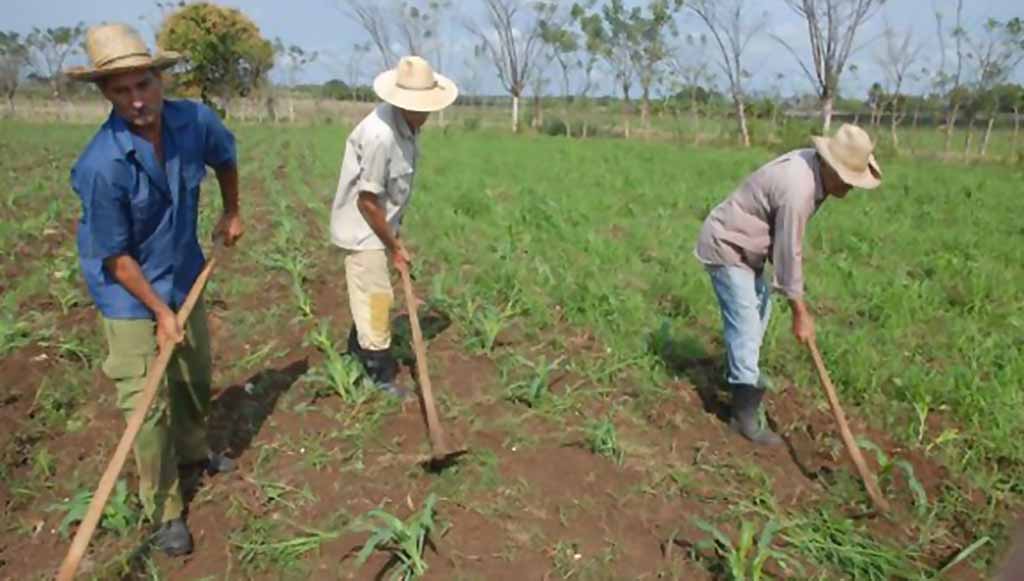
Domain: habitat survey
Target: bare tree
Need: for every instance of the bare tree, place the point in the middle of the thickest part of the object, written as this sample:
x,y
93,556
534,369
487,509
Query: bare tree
x,y
293,59
997,53
832,27
49,49
13,57
732,33
511,39
377,20
608,37
896,58
946,82
691,67
649,45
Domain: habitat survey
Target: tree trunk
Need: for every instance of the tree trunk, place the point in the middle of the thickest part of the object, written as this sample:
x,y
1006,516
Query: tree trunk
x,y
10,105
645,108
950,125
892,130
826,114
988,134
741,119
917,113
969,141
1017,128
515,113
291,108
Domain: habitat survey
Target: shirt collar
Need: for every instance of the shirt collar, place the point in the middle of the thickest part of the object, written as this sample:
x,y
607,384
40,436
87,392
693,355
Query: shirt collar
x,y
172,117
403,127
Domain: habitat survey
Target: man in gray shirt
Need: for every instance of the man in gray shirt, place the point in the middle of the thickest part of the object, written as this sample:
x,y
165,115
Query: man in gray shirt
x,y
764,221
374,190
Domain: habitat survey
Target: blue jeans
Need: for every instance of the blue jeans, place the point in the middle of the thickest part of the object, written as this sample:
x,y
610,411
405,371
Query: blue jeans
x,y
746,303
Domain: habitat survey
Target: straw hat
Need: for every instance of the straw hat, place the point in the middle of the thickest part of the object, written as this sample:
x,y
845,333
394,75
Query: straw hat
x,y
849,152
414,86
118,48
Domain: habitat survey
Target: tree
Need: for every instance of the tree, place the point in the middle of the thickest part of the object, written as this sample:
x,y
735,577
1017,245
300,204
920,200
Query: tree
x,y
691,66
13,57
732,33
896,58
949,83
511,39
563,44
227,55
372,16
649,46
832,27
608,39
293,59
49,49
997,53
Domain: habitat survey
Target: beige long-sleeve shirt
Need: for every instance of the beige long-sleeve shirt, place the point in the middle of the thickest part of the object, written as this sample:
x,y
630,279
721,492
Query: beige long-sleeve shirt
x,y
765,219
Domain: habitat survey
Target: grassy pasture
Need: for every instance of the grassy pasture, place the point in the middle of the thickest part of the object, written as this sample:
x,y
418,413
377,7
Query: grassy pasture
x,y
579,364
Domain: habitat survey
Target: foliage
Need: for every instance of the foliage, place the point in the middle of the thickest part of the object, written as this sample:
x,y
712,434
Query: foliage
x,y
119,515
403,540
49,49
227,54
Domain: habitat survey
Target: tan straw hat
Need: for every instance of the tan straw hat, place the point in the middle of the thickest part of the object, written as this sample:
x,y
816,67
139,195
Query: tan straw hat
x,y
849,152
414,86
118,48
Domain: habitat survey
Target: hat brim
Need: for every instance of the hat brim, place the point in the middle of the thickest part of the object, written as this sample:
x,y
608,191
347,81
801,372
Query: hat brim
x,y
161,61
439,97
868,179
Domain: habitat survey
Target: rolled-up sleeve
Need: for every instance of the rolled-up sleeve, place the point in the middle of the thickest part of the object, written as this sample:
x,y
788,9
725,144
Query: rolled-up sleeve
x,y
106,215
373,167
787,252
219,143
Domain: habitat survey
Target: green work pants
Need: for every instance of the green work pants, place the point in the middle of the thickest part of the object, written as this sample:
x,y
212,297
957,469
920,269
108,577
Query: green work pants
x,y
174,431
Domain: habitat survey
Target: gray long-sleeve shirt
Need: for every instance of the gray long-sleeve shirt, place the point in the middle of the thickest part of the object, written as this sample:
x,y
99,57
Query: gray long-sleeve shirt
x,y
765,218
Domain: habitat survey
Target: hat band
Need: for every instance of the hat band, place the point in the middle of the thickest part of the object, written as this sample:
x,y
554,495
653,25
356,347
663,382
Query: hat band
x,y
109,61
402,85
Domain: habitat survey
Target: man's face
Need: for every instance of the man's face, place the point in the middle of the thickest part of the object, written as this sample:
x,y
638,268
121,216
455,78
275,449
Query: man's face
x,y
834,185
137,96
415,119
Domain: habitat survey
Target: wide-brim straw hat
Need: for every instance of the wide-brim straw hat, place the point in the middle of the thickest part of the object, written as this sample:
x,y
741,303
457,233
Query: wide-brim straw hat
x,y
118,48
414,86
850,153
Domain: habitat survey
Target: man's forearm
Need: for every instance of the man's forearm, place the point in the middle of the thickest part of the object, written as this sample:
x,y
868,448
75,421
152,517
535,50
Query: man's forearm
x,y
798,306
127,273
227,177
377,219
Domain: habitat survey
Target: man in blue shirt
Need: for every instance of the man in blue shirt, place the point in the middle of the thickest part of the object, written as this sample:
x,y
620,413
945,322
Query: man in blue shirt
x,y
138,180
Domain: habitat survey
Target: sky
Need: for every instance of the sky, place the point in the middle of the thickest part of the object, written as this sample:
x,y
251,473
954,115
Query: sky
x,y
322,26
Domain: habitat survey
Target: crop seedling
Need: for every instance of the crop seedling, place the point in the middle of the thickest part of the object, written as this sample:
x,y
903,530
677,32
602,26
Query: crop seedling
x,y
403,540
261,550
534,389
119,515
339,375
746,559
602,439
888,465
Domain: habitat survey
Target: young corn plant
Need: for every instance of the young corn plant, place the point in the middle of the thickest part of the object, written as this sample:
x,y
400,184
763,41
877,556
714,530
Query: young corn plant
x,y
119,516
534,389
601,439
339,375
887,466
403,540
746,559
261,551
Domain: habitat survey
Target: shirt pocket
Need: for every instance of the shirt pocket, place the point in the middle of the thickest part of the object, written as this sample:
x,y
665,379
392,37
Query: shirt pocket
x,y
149,205
400,177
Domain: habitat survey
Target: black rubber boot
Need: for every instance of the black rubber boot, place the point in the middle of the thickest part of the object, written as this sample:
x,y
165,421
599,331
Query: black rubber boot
x,y
381,366
173,538
746,401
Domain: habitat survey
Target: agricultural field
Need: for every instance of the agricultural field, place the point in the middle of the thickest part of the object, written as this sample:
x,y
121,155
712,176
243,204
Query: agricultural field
x,y
574,347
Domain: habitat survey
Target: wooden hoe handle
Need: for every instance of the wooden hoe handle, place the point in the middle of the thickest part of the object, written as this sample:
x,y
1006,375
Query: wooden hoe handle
x,y
437,439
852,449
99,499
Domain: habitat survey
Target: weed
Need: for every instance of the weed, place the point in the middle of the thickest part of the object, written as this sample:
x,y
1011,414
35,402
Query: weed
x,y
746,559
340,375
533,390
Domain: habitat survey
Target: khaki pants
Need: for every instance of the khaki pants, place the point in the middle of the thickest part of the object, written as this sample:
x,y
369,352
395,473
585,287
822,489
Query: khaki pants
x,y
174,431
370,297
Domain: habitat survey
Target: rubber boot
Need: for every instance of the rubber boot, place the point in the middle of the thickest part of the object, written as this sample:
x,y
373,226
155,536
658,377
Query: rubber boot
x,y
173,538
746,401
381,366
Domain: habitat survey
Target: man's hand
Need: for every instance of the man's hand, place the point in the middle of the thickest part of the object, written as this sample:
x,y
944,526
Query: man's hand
x,y
400,257
168,332
803,322
229,228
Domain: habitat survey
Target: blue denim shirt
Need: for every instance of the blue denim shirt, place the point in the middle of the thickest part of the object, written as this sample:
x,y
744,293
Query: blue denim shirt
x,y
131,204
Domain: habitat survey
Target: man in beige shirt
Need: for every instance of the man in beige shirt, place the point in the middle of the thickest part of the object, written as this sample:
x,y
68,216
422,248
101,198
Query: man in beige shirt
x,y
764,221
374,190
